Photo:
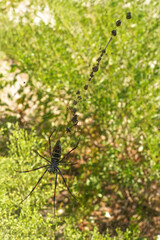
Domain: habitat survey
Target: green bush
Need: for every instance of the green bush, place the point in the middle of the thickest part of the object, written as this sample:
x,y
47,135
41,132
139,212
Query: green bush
x,y
117,169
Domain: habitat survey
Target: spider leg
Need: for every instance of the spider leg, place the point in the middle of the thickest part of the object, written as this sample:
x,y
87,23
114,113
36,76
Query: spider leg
x,y
67,154
55,193
49,141
34,186
32,169
66,183
69,164
42,156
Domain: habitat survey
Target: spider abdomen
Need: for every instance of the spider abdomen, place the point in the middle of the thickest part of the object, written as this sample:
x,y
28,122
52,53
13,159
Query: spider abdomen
x,y
56,154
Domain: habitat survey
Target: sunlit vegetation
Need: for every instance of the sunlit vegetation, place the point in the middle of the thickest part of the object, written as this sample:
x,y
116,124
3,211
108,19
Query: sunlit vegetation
x,y
48,50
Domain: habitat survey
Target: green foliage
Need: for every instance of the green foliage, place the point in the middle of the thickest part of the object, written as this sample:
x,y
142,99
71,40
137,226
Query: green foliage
x,y
117,158
34,217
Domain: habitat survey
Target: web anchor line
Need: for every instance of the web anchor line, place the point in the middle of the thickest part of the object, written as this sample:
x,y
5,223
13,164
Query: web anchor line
x,y
73,109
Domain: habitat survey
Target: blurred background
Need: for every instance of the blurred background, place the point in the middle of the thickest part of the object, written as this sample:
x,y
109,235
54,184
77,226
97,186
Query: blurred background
x,y
47,52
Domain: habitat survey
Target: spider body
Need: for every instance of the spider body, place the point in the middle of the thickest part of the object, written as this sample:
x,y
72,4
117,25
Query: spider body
x,y
55,157
52,166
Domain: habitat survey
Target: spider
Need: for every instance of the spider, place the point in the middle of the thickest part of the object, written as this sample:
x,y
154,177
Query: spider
x,y
53,166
